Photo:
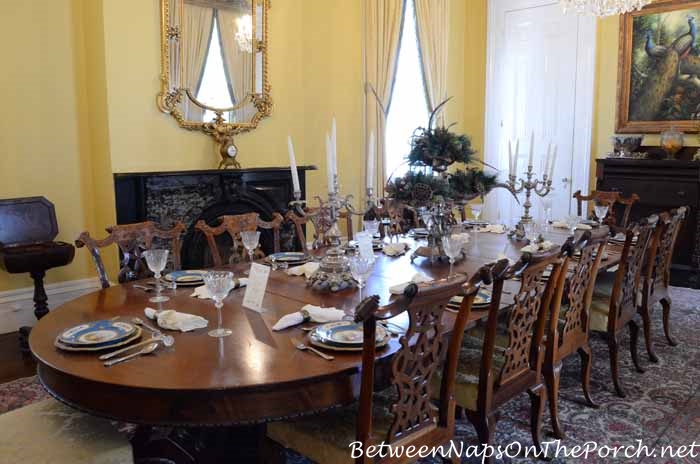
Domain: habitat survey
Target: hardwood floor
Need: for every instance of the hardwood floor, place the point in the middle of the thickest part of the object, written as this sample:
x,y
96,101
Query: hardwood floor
x,y
14,364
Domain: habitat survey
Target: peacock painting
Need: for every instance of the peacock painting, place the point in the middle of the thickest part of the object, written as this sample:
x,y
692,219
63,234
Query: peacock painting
x,y
661,68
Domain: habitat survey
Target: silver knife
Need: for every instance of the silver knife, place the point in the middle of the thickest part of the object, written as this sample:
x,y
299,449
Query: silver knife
x,y
127,348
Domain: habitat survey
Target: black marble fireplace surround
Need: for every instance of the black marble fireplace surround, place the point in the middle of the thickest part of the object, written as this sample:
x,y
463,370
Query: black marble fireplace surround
x,y
188,196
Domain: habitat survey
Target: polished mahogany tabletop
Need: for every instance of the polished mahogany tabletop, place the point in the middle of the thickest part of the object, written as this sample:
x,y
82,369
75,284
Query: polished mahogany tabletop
x,y
255,375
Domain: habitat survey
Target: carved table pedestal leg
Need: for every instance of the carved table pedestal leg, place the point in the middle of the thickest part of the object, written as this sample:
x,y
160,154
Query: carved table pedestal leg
x,y
206,445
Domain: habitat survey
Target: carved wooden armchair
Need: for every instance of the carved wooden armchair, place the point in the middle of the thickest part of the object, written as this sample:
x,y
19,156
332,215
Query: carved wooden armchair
x,y
610,199
614,304
499,362
132,240
403,414
567,334
657,275
233,225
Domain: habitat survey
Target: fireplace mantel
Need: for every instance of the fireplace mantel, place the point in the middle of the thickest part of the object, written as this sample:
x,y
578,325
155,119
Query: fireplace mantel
x,y
187,196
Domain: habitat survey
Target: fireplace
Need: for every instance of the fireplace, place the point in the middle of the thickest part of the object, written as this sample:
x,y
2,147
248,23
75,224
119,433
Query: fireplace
x,y
188,196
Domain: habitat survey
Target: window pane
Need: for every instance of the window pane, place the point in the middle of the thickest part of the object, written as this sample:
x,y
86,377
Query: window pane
x,y
408,108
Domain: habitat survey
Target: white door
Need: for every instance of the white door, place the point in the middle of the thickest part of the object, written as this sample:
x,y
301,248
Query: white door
x,y
541,70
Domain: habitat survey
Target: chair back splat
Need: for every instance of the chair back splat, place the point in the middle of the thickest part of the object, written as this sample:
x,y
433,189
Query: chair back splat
x,y
233,225
132,240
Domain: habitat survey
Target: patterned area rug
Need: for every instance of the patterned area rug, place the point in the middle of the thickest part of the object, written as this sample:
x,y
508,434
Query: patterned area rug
x,y
662,407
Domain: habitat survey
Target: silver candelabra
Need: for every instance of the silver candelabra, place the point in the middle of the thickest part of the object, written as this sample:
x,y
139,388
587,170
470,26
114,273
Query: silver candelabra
x,y
528,185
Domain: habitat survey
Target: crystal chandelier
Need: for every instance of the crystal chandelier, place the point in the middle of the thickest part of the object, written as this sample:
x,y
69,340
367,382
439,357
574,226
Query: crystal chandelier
x,y
603,7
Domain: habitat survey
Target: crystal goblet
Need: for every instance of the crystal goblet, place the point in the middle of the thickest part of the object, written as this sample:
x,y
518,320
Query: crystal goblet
x,y
452,245
360,268
250,239
157,259
219,284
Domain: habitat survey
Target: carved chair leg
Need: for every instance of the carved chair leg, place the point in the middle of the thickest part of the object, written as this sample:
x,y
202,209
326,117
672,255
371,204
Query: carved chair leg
x,y
613,347
666,304
485,427
646,320
634,340
538,397
586,362
552,381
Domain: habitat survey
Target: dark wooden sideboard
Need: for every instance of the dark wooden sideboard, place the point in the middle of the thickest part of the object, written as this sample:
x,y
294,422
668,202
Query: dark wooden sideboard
x,y
661,185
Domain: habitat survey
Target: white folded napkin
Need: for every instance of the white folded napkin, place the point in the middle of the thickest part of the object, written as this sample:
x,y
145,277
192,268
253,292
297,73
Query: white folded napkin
x,y
311,313
563,225
418,278
173,320
538,247
203,293
305,269
494,229
395,249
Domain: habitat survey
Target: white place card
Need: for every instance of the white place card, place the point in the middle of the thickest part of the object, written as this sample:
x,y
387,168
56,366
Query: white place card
x,y
255,290
364,242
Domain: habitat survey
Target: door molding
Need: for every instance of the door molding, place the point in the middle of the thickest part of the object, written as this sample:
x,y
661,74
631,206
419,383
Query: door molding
x,y
584,92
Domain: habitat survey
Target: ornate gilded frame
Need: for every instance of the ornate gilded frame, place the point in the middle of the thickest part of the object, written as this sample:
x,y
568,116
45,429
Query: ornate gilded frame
x,y
169,98
624,70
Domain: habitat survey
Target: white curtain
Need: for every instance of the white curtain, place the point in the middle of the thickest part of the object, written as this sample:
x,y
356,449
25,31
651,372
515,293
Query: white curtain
x,y
382,30
433,21
237,63
198,24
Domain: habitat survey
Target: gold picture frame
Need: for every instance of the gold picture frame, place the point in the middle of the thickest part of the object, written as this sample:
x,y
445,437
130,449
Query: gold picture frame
x,y
653,91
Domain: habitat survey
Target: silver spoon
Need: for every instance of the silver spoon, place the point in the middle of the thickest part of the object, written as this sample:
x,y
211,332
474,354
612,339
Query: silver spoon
x,y
148,349
168,340
304,347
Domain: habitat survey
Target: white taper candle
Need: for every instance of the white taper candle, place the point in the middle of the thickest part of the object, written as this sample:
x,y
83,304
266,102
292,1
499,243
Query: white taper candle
x,y
293,165
532,148
510,158
370,161
554,160
329,162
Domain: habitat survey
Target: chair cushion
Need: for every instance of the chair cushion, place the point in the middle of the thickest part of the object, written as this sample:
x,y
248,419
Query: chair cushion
x,y
326,437
468,367
600,303
49,432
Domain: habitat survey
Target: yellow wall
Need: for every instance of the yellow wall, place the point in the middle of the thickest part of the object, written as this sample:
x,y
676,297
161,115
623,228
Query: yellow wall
x,y
40,127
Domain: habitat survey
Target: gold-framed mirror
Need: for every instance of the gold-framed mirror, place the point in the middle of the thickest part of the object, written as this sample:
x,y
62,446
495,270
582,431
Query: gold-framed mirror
x,y
214,71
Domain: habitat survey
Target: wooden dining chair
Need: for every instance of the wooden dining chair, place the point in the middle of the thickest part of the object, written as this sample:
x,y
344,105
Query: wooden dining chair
x,y
567,334
657,275
499,362
132,240
615,301
610,199
402,415
233,225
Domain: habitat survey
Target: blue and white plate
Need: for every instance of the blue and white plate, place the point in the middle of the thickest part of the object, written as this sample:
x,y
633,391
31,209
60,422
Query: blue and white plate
x,y
99,333
191,277
345,335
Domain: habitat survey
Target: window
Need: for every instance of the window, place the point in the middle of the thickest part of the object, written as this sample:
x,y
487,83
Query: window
x,y
409,107
213,90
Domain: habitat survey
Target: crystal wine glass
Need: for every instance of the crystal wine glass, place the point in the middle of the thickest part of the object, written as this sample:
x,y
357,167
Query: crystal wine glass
x,y
372,227
547,208
250,239
219,284
452,245
531,231
360,268
601,211
476,210
156,259
572,221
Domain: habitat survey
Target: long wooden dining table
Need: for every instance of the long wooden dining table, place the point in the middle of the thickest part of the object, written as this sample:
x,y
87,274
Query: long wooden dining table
x,y
214,396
